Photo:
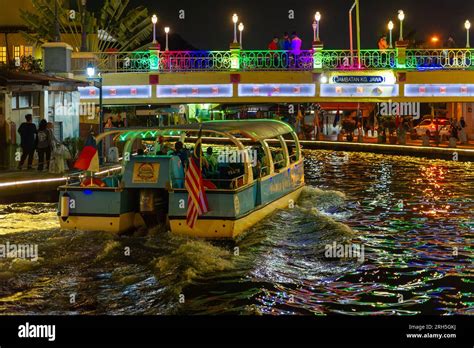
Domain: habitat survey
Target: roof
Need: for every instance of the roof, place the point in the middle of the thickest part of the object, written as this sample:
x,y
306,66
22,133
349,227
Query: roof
x,y
255,129
9,78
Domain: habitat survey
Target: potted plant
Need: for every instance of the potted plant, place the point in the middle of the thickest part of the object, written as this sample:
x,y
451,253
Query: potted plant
x,y
348,126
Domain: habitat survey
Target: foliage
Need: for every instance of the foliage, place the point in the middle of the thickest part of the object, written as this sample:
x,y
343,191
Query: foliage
x,y
115,26
31,64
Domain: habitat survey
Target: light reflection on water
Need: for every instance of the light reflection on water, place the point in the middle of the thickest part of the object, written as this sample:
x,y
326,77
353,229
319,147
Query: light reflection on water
x,y
413,217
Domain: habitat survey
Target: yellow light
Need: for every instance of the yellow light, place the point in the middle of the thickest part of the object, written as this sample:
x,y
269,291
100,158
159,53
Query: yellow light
x,y
390,25
401,15
235,18
435,39
241,27
467,25
154,19
317,16
167,30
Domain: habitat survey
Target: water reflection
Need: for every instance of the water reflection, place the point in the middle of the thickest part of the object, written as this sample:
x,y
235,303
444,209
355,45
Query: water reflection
x,y
412,216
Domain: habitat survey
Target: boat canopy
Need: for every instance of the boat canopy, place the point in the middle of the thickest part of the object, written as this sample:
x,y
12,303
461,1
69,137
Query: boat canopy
x,y
257,130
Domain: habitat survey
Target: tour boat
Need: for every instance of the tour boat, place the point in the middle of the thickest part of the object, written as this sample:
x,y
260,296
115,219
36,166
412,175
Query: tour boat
x,y
258,168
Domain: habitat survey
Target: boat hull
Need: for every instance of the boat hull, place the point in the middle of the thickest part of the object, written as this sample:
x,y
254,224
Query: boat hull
x,y
116,224
232,228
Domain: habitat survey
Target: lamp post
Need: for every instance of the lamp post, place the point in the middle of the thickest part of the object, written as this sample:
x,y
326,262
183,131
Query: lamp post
x,y
467,25
154,20
235,19
390,29
96,81
84,30
317,18
401,17
167,30
57,32
241,29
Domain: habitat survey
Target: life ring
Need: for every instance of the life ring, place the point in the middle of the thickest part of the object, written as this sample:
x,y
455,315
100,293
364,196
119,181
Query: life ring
x,y
92,182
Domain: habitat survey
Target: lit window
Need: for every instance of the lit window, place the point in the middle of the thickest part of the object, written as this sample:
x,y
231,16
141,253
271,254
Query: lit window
x,y
28,51
3,55
22,51
16,52
17,55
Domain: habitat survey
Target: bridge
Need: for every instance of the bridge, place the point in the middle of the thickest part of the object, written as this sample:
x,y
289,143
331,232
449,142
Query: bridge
x,y
248,76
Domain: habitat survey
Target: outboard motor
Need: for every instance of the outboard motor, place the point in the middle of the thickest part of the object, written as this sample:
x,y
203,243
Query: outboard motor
x,y
153,206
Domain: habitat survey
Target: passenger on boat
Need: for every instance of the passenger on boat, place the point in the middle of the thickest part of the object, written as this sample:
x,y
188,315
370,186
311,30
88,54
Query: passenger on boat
x,y
161,146
181,152
212,161
230,175
278,159
261,169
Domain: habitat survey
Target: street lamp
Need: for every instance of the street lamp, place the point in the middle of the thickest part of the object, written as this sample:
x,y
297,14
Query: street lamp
x,y
467,25
390,29
83,24
154,20
235,19
317,18
97,82
167,30
401,17
241,29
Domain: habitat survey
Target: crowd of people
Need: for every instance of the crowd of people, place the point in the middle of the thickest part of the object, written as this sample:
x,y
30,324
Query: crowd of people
x,y
286,43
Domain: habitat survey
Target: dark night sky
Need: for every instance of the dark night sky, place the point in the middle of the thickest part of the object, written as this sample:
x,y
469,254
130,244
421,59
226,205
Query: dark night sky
x,y
208,23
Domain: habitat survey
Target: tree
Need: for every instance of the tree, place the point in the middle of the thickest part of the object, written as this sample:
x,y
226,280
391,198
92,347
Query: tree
x,y
115,26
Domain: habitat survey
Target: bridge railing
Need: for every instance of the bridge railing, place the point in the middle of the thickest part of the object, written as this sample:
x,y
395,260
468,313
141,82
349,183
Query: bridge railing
x,y
452,58
194,61
369,59
251,60
275,60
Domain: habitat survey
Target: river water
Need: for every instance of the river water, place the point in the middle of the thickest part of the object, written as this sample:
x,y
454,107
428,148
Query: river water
x,y
411,217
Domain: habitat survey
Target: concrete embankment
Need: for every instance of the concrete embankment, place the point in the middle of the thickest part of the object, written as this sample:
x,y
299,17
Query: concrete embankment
x,y
450,154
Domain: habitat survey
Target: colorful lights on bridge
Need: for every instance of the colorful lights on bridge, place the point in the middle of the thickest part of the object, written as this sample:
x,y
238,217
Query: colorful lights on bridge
x,y
194,91
277,90
439,90
116,92
359,90
331,86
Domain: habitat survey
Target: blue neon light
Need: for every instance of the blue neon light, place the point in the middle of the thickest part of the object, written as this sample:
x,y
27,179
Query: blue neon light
x,y
116,92
439,90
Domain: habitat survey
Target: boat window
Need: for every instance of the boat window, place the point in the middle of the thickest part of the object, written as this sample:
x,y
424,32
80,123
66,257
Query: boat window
x,y
222,165
292,147
278,154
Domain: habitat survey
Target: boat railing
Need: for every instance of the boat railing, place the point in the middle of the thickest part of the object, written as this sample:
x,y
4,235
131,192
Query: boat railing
x,y
221,184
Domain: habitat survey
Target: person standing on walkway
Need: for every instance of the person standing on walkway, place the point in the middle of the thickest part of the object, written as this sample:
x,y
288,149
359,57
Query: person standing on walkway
x,y
285,42
27,132
295,49
382,44
44,145
296,43
273,45
462,131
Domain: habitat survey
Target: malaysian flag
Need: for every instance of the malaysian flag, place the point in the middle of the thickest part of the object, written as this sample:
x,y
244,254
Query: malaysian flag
x,y
197,200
